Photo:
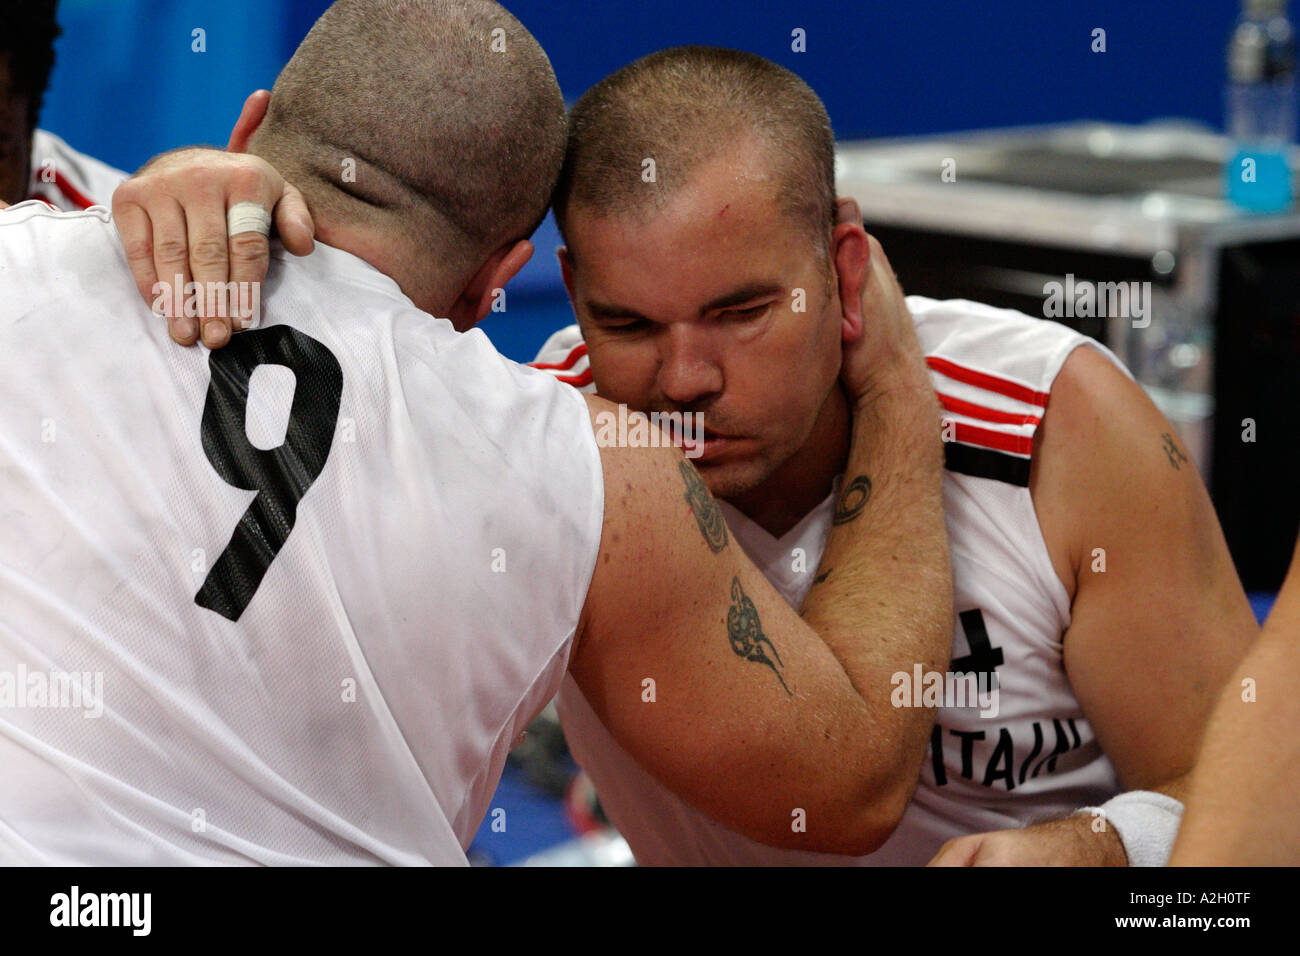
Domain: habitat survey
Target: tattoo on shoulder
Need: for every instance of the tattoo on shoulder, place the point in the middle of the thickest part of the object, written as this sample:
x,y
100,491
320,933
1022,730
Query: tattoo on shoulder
x,y
707,513
1171,450
746,633
853,499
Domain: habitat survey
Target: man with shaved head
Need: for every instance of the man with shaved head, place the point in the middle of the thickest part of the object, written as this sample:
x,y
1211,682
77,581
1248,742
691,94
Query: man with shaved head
x,y
476,92
292,601
739,145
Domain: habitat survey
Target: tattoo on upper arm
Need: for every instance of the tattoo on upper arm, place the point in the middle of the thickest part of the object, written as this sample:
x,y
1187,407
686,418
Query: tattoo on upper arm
x,y
852,500
746,632
707,513
1171,450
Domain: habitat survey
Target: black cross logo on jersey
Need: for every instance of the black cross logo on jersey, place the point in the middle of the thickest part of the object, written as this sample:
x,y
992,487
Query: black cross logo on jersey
x,y
983,658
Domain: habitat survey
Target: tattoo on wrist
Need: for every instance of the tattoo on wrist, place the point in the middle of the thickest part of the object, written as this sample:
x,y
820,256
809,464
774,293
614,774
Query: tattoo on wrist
x,y
1171,450
707,513
745,632
852,500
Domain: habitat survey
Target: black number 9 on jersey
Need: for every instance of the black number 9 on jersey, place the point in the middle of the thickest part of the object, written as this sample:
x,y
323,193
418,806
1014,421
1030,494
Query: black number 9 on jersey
x,y
280,475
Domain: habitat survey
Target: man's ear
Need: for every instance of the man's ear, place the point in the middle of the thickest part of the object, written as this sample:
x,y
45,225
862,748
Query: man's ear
x,y
479,295
250,118
852,254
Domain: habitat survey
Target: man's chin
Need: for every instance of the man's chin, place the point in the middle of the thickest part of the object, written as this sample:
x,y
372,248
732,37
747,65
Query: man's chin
x,y
730,479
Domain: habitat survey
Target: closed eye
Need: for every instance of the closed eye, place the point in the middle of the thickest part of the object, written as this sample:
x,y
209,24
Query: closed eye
x,y
622,325
745,315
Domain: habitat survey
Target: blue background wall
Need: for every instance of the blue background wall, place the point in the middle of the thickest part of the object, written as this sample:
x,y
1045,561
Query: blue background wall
x,y
127,85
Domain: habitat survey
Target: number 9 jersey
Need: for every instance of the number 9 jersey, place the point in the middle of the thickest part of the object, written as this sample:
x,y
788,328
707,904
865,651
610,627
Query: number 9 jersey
x,y
289,602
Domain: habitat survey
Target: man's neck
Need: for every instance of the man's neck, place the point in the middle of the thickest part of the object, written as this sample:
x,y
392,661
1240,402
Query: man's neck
x,y
807,476
361,224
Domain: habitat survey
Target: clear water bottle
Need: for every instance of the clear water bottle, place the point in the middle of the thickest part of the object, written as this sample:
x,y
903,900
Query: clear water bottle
x,y
1261,106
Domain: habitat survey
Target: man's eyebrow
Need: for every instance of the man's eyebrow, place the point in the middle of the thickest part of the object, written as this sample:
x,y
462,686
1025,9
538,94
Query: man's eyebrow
x,y
603,310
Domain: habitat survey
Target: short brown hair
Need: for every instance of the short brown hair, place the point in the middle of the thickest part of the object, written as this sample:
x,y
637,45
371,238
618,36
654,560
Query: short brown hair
x,y
683,106
451,107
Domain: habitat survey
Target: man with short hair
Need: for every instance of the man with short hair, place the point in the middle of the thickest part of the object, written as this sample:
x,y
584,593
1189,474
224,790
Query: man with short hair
x,y
1096,610
1089,610
292,601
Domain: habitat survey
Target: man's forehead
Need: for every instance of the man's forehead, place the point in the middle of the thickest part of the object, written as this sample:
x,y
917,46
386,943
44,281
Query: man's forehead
x,y
717,237
696,227
730,186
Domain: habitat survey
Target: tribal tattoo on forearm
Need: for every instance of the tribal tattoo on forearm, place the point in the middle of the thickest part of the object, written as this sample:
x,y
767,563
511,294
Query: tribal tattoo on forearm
x,y
707,513
745,632
853,499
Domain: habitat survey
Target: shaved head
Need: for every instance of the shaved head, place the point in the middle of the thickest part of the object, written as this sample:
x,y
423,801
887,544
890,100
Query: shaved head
x,y
440,118
688,105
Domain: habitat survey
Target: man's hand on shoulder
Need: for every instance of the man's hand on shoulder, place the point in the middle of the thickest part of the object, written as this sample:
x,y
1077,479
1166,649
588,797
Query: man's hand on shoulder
x,y
171,217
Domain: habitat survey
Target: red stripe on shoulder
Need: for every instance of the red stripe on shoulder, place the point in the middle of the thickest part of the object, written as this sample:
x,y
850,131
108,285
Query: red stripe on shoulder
x,y
71,191
987,438
577,381
986,381
971,410
570,360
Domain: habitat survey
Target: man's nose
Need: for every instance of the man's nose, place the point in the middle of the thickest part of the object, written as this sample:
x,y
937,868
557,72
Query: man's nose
x,y
687,369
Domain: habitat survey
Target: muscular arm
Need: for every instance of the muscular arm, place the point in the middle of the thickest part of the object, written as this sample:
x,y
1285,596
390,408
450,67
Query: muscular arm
x,y
758,718
1153,637
1241,807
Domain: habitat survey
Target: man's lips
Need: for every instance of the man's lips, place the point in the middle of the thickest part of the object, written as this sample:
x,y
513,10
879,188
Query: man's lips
x,y
715,446
708,442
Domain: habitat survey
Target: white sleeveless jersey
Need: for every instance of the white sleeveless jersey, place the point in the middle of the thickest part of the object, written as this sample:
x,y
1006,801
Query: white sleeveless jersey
x,y
289,602
67,179
1037,757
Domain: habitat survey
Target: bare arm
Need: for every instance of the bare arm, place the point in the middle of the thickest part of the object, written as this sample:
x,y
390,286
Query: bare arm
x,y
1242,804
1154,636
886,563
